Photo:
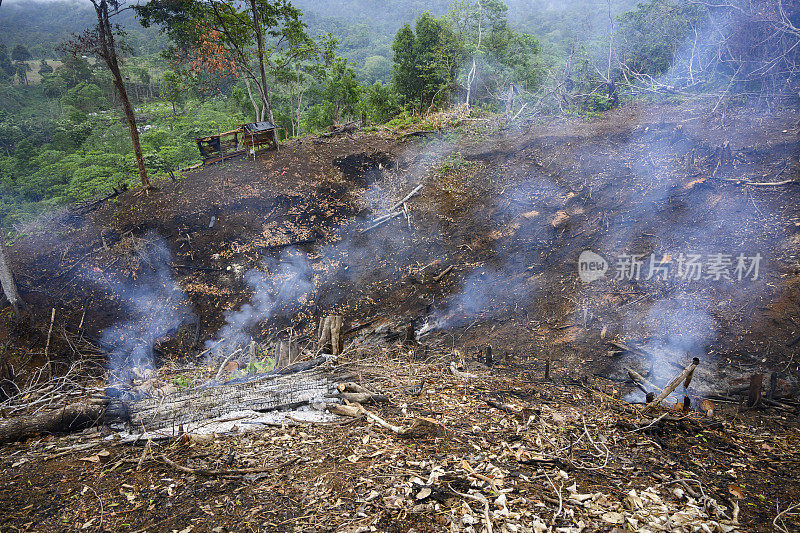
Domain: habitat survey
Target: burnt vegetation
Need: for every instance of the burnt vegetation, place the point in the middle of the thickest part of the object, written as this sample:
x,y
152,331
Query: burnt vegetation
x,y
504,269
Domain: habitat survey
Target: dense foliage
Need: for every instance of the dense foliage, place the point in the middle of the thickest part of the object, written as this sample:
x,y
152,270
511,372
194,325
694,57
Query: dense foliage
x,y
195,67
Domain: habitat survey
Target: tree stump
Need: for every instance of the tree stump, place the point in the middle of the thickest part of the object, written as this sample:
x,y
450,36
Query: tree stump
x,y
723,156
286,353
330,335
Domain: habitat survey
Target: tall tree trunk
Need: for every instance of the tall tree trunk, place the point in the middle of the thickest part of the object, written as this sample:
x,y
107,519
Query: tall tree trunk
x,y
134,131
108,52
474,70
7,281
610,41
263,72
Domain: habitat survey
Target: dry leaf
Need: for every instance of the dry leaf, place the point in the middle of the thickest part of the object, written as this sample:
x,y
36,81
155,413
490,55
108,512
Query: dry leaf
x,y
736,491
707,406
612,517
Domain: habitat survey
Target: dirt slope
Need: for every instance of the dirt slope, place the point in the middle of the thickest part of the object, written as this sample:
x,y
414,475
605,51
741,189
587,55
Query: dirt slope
x,y
510,210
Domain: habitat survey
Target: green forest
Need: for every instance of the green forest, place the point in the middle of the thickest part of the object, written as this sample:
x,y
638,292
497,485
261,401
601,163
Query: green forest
x,y
194,68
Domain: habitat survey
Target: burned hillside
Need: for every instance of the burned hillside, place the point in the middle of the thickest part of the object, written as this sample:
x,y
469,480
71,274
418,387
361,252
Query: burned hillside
x,y
502,389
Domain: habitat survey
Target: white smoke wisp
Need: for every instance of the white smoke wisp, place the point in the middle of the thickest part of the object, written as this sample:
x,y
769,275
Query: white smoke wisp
x,y
154,307
283,284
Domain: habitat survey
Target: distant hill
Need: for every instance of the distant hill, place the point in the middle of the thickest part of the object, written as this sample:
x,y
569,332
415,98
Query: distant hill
x,y
41,26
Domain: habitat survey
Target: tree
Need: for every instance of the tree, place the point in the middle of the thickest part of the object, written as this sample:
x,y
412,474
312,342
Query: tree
x,y
342,90
497,55
379,102
21,56
273,29
406,70
426,60
20,53
85,96
22,72
101,42
7,68
7,281
45,68
377,68
470,21
171,91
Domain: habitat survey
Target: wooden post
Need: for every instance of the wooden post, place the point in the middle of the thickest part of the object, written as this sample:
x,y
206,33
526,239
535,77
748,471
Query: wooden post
x,y
755,389
410,335
547,369
488,358
773,385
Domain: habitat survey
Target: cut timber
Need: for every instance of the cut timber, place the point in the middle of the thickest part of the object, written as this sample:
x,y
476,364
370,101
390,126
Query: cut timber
x,y
282,389
68,418
330,335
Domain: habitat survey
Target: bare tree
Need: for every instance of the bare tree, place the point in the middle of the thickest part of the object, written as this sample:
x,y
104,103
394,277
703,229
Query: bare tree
x,y
7,281
101,42
474,70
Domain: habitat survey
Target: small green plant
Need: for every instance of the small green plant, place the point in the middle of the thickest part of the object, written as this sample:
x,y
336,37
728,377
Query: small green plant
x,y
183,382
453,163
403,120
256,366
262,365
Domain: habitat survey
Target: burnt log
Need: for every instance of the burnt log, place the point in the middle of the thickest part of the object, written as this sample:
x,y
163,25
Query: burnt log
x,y
283,389
71,417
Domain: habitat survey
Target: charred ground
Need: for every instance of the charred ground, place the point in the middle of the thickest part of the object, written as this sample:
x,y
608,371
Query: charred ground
x,y
510,210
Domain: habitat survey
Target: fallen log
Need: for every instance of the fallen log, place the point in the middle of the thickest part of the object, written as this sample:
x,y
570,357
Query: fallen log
x,y
290,387
71,417
381,221
91,205
339,129
443,273
632,349
283,245
406,197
